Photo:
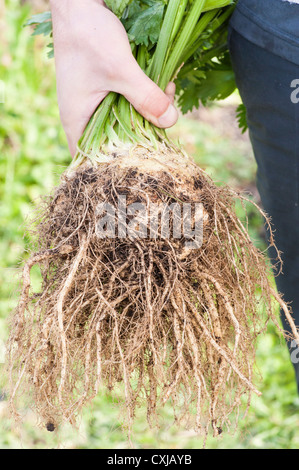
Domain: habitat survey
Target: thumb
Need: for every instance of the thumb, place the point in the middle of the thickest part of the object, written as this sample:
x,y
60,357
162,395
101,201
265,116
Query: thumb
x,y
147,98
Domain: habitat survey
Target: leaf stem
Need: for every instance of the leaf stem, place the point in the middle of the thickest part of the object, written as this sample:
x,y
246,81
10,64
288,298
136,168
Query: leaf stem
x,y
183,40
164,41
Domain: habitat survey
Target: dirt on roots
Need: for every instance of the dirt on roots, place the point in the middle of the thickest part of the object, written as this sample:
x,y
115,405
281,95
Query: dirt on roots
x,y
172,324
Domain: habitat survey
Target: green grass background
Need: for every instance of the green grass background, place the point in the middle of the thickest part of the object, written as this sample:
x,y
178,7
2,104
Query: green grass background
x,y
33,153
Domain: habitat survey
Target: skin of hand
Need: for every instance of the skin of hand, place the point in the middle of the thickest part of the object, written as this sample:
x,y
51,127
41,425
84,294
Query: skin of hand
x,y
93,57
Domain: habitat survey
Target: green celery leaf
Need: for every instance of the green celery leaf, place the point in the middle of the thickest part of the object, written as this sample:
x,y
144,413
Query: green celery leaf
x,y
117,6
42,23
143,21
43,28
242,117
50,51
188,99
202,86
218,85
38,19
211,4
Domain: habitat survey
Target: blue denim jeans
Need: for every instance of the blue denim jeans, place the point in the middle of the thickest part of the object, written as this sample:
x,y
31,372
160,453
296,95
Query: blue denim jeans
x,y
264,48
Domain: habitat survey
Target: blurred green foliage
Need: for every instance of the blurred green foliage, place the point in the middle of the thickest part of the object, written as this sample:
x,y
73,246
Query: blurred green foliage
x,y
33,153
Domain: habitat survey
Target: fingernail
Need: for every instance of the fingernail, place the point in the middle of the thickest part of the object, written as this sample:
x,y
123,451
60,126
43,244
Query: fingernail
x,y
169,118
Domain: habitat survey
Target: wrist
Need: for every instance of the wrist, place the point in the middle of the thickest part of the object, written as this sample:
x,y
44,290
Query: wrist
x,y
62,5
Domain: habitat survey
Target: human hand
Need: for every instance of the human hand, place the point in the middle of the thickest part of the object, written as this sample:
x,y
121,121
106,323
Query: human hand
x,y
93,57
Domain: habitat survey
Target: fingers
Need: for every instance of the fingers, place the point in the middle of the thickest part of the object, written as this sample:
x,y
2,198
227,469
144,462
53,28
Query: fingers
x,y
73,134
152,107
170,91
75,114
147,98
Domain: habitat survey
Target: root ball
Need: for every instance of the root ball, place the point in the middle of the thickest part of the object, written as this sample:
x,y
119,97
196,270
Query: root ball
x,y
172,322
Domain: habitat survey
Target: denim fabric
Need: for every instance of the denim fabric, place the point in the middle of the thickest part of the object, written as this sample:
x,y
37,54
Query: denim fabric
x,y
271,24
264,72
